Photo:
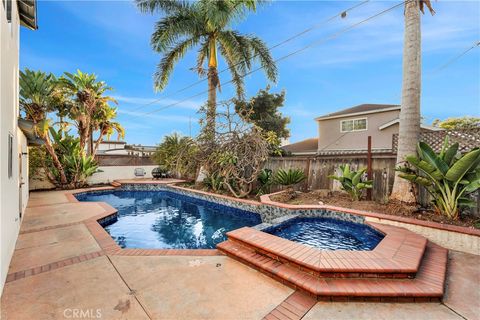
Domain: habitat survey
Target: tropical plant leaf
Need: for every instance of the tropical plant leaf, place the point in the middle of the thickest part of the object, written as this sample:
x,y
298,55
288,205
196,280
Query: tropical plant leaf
x,y
451,153
430,156
462,166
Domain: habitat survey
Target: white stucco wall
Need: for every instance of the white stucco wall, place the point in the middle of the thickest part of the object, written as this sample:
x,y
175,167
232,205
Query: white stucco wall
x,y
9,186
108,174
111,173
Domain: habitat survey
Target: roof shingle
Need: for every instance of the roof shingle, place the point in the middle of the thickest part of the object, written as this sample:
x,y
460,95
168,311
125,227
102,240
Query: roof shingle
x,y
360,109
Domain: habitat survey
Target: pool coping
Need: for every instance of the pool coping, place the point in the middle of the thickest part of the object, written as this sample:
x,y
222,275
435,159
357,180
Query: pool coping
x,y
265,199
109,246
107,243
397,255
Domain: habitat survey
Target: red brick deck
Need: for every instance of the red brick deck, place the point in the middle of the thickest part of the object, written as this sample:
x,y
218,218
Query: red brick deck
x,y
403,267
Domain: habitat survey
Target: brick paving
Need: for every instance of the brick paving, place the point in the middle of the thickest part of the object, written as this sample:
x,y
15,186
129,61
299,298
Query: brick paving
x,y
403,267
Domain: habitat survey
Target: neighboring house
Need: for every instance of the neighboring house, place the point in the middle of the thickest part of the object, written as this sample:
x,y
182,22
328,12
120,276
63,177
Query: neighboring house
x,y
305,147
346,131
109,147
13,141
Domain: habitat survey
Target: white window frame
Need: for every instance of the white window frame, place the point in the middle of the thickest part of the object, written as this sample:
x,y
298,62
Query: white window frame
x,y
353,122
10,155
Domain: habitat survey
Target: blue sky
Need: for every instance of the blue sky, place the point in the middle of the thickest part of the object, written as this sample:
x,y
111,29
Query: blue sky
x,y
112,40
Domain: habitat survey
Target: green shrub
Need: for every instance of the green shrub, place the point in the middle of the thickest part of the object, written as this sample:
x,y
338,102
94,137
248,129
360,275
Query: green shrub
x,y
448,176
214,182
178,154
289,178
265,181
352,181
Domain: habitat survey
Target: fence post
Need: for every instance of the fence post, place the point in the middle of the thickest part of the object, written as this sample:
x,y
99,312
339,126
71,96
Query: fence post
x,y
307,172
369,166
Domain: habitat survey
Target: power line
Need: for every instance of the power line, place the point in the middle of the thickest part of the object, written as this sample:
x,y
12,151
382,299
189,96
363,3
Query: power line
x,y
317,42
445,65
341,14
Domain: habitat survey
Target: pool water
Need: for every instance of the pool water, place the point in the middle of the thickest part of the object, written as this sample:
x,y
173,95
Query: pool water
x,y
167,220
328,234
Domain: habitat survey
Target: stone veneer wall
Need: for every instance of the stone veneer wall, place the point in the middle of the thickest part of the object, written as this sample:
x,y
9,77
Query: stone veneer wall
x,y
269,214
448,239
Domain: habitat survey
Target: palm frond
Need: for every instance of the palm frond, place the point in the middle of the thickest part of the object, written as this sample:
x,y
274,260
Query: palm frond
x,y
166,65
152,6
240,48
262,53
172,28
428,4
234,63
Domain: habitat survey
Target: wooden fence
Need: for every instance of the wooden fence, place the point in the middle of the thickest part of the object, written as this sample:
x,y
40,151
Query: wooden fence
x,y
317,170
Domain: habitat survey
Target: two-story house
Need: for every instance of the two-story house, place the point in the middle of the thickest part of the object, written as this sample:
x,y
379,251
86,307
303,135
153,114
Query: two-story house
x,y
347,131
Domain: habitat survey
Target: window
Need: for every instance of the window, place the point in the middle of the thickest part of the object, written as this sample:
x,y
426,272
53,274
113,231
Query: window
x,y
7,5
10,155
353,125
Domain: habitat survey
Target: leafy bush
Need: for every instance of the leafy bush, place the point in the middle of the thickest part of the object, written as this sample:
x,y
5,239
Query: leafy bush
x,y
178,154
447,176
289,178
214,182
265,180
77,166
352,181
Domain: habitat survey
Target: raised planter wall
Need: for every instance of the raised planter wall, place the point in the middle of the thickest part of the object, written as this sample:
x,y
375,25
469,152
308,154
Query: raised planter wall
x,y
451,237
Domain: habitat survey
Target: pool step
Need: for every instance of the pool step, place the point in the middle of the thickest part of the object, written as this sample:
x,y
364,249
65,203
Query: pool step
x,y
428,284
398,255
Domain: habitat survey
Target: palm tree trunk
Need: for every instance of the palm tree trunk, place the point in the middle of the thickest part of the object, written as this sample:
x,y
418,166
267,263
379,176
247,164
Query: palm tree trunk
x,y
212,102
97,143
56,162
409,131
90,142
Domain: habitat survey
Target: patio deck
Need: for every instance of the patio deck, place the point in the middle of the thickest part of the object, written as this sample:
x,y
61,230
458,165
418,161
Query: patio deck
x,y
59,269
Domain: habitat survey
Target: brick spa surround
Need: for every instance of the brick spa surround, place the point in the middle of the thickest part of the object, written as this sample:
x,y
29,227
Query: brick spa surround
x,y
449,236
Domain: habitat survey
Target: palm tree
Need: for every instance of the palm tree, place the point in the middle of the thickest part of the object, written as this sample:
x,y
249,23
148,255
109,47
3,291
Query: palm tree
x,y
102,121
409,131
39,95
205,24
88,96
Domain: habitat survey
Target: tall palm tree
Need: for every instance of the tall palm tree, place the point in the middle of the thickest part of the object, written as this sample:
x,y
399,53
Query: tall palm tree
x,y
206,25
88,96
104,124
409,131
39,95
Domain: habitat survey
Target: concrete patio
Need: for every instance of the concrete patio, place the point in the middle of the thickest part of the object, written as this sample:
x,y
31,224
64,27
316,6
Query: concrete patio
x,y
60,271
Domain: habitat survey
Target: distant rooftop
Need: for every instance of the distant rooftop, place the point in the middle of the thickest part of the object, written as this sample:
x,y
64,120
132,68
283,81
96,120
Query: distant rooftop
x,y
360,109
304,146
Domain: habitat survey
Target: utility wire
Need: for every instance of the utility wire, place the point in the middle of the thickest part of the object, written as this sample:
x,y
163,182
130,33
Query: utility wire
x,y
341,14
454,59
317,42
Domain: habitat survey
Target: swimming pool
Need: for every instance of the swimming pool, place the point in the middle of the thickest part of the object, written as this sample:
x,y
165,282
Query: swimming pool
x,y
327,233
168,220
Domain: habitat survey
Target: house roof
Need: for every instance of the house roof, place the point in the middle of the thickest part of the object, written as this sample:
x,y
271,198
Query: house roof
x,y
360,110
27,10
112,142
397,120
304,146
28,129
